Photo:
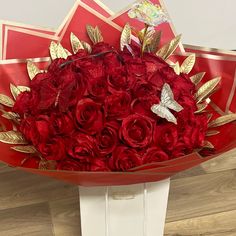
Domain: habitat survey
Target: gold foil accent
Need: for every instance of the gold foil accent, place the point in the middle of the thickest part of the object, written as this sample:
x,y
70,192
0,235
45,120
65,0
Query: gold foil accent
x,y
32,69
12,137
169,48
6,101
125,38
75,43
61,52
25,149
196,79
206,89
212,132
167,102
94,34
188,64
222,120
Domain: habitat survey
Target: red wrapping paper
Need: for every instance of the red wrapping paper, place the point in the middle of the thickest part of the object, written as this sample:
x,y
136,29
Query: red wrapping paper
x,y
14,71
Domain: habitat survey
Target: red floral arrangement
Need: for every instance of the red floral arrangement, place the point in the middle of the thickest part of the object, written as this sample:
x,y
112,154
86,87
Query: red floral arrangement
x,y
108,109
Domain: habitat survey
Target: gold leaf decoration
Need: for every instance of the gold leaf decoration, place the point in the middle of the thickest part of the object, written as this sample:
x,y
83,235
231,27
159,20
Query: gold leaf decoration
x,y
53,50
169,48
125,38
94,34
209,116
156,38
86,46
201,107
212,132
6,101
23,88
32,69
176,67
68,53
76,45
188,64
47,165
222,120
14,91
208,145
61,52
25,149
196,79
206,89
10,115
12,137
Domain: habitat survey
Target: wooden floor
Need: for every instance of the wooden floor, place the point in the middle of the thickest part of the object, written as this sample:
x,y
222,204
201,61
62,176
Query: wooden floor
x,y
202,202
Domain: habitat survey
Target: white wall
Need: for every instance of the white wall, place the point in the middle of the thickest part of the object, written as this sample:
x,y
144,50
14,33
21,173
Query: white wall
x,y
209,23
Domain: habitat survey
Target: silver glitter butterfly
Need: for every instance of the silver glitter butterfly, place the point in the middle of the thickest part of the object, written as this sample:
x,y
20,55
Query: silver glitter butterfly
x,y
167,102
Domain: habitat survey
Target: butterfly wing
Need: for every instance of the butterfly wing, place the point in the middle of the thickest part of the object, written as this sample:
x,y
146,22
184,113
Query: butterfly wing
x,y
167,99
163,112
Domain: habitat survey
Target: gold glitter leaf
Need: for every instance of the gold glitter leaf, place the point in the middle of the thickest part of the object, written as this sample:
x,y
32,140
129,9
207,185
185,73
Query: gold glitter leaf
x,y
61,52
6,101
125,38
212,132
75,43
197,78
86,46
32,69
201,107
14,91
206,89
156,38
25,149
12,137
188,64
23,88
10,115
176,67
169,48
94,34
222,120
53,50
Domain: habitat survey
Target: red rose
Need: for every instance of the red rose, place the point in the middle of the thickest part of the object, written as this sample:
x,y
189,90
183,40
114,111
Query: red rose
x,y
82,147
99,164
135,67
62,123
153,63
97,88
106,139
26,103
72,165
143,106
136,131
166,136
154,154
89,117
55,64
117,105
194,133
124,158
54,149
36,129
142,88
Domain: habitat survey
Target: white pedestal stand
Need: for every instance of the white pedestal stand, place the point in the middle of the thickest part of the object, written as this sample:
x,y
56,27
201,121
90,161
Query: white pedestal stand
x,y
133,210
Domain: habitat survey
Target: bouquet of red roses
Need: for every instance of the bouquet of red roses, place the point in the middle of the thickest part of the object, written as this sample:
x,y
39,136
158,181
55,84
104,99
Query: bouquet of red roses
x,y
108,115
